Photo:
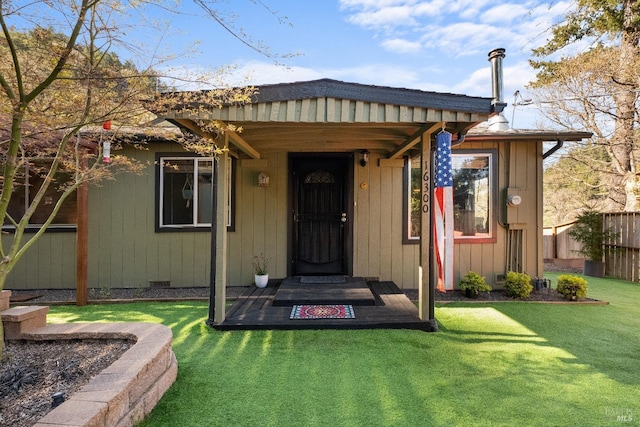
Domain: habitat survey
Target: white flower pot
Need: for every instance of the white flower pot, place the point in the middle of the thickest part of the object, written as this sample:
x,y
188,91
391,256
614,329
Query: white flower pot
x,y
261,280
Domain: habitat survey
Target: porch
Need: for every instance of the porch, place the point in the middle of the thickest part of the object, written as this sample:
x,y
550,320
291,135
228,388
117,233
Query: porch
x,y
374,305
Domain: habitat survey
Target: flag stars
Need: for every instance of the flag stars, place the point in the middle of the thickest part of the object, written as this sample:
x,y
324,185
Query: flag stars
x,y
443,173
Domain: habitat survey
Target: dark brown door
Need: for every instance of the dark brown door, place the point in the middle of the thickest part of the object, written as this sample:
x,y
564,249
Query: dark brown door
x,y
321,214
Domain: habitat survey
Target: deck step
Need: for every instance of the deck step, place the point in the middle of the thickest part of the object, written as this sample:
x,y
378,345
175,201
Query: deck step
x,y
22,319
293,291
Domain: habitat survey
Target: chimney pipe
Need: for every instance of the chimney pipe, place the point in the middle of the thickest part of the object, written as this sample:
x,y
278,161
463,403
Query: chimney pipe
x,y
497,121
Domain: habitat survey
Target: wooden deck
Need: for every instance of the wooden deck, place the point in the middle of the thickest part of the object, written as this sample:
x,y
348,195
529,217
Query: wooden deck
x,y
391,309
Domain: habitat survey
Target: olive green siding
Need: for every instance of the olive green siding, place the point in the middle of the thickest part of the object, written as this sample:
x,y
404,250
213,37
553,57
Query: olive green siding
x,y
48,264
126,251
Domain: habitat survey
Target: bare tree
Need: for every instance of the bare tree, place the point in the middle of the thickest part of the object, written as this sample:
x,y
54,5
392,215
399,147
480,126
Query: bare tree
x,y
60,81
598,90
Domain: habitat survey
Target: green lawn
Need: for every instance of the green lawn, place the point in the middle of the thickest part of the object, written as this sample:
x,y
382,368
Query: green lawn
x,y
497,364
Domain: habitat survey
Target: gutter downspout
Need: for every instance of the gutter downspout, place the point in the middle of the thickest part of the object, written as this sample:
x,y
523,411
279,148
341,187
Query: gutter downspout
x,y
559,144
458,141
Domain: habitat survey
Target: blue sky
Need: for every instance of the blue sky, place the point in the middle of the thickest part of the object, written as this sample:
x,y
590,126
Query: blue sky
x,y
433,45
436,45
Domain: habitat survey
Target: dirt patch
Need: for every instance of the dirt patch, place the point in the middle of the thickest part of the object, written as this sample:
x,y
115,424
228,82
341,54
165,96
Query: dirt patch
x,y
32,372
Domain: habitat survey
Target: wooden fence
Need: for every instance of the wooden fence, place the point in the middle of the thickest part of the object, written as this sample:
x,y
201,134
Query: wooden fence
x,y
622,254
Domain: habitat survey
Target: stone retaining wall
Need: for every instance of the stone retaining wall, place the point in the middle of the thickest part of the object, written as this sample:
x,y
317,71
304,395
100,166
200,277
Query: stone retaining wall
x,y
125,392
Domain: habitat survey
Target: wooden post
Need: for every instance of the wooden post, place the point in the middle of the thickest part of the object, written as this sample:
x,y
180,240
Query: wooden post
x,y
221,238
82,236
426,305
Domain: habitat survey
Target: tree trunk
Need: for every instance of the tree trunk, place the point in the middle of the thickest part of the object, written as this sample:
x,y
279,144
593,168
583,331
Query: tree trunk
x,y
622,149
3,278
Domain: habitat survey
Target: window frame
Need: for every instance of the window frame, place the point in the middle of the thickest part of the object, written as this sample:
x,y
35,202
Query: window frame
x,y
492,154
205,227
31,227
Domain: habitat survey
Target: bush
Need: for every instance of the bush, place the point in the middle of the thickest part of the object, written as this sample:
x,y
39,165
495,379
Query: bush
x,y
518,285
474,283
572,287
589,230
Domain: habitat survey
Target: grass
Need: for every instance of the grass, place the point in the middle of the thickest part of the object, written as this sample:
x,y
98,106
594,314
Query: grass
x,y
491,364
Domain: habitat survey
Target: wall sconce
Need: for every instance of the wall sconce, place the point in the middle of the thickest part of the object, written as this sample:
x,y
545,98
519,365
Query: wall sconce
x,y
263,179
364,157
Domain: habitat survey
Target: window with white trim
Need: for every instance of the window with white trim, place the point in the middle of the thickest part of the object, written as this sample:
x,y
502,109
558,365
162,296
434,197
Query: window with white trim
x,y
474,197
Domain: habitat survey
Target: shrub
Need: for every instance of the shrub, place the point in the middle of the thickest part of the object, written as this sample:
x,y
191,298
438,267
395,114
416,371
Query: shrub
x,y
475,283
572,287
518,285
589,230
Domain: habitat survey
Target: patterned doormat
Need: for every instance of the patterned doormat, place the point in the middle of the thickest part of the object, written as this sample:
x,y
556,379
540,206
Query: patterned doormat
x,y
339,311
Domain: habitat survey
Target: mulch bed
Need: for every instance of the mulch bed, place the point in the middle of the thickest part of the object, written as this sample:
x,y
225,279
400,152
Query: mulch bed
x,y
202,293
32,372
544,295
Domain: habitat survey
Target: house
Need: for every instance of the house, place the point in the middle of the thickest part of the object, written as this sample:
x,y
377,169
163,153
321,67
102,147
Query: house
x,y
325,178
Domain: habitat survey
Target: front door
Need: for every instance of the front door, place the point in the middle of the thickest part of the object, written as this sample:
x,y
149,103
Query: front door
x,y
321,223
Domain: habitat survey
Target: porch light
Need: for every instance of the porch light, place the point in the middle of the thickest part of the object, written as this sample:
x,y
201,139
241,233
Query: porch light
x,y
364,157
57,399
263,179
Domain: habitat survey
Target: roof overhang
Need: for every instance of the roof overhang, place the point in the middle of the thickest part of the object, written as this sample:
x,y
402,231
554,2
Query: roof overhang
x,y
329,115
484,134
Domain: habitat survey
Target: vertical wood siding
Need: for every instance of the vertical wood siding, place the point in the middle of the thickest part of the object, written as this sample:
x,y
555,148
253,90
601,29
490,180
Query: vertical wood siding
x,y
126,251
124,248
49,264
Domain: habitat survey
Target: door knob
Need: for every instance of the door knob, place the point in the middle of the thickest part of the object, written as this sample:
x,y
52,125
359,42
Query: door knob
x,y
343,217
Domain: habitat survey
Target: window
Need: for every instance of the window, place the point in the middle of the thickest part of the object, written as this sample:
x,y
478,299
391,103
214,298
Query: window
x,y
185,191
26,186
473,196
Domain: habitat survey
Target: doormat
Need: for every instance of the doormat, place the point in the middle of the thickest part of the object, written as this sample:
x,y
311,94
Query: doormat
x,y
322,279
339,311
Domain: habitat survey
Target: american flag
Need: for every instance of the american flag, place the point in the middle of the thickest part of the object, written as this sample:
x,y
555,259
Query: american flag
x,y
443,211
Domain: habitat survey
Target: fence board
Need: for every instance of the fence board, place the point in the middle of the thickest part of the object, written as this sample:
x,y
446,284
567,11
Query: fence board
x,y
622,253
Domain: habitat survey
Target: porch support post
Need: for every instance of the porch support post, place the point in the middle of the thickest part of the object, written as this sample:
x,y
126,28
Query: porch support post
x,y
221,241
426,305
82,236
218,274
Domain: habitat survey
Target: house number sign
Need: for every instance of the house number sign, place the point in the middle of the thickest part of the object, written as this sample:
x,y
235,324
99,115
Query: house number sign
x,y
425,187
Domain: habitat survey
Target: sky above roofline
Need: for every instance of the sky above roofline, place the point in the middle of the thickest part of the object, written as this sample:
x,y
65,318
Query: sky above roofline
x,y
429,45
437,45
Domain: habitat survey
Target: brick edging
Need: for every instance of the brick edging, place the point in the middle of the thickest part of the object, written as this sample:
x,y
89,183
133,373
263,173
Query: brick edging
x,y
126,391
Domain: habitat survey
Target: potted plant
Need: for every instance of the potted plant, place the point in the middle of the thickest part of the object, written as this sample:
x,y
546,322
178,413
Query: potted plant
x,y
473,283
260,264
590,232
572,287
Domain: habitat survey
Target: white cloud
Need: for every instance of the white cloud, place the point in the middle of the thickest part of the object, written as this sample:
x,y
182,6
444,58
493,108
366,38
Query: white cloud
x,y
401,46
503,14
383,18
260,72
458,27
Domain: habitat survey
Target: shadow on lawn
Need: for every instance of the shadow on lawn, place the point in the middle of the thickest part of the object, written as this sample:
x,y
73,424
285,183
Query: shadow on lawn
x,y
602,337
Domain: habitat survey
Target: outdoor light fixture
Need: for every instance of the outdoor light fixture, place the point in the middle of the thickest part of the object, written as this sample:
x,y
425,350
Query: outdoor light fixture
x,y
364,157
57,399
263,179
